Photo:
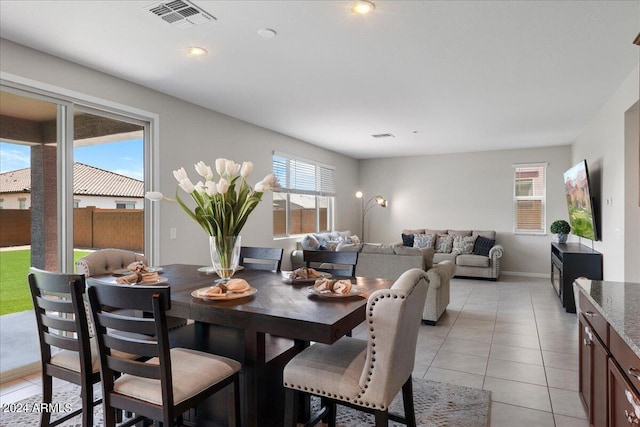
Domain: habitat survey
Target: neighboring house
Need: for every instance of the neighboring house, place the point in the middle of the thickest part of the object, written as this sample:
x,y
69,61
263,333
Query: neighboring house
x,y
91,187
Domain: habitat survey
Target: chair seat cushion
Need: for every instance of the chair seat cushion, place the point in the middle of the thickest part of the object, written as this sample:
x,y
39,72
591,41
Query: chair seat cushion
x,y
472,260
328,370
191,371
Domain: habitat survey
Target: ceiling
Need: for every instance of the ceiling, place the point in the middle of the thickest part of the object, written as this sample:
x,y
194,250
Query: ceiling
x,y
441,76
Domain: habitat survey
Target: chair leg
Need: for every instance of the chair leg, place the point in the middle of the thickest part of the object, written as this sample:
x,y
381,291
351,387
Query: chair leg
x,y
87,405
290,407
109,415
407,400
47,395
331,413
382,418
236,400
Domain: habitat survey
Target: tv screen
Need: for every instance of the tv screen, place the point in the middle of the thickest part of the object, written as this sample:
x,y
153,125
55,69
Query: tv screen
x,y
578,191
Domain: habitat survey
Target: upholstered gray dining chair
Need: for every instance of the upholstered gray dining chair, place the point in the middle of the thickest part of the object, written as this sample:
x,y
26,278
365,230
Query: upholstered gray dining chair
x,y
365,374
105,261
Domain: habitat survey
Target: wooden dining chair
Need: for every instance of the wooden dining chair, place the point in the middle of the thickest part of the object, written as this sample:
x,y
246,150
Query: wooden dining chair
x,y
334,262
171,381
62,324
365,374
256,258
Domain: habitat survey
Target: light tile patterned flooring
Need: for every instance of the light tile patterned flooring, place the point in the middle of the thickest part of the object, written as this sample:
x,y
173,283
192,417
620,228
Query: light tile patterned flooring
x,y
511,337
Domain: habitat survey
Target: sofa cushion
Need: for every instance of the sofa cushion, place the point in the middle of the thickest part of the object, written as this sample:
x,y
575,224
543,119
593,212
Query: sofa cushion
x,y
489,234
463,244
416,231
459,232
424,241
472,260
403,250
428,231
437,258
483,245
444,244
407,240
378,249
349,247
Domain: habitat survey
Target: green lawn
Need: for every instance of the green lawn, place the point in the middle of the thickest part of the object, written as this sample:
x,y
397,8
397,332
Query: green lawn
x,y
14,289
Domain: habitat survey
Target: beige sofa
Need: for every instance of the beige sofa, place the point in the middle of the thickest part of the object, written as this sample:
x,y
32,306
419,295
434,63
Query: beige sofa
x,y
390,261
478,263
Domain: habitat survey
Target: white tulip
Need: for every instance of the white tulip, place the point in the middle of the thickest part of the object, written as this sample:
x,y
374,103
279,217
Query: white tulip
x,y
199,187
221,164
222,186
246,169
180,174
211,188
204,170
269,182
187,185
154,196
232,168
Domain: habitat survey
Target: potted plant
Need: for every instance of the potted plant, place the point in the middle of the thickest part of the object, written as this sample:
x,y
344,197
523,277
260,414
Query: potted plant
x,y
561,228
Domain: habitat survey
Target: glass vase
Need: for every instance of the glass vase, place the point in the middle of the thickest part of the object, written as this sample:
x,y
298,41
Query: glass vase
x,y
225,255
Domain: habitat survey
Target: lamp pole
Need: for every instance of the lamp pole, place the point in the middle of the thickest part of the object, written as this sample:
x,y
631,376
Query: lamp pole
x,y
365,207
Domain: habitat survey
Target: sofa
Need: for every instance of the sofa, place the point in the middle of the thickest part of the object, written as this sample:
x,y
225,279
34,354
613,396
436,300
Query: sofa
x,y
390,261
474,252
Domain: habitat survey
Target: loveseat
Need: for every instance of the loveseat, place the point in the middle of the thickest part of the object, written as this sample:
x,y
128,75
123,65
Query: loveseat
x,y
474,252
390,261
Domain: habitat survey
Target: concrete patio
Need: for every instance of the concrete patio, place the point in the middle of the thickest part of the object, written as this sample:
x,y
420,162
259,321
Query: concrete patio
x,y
19,347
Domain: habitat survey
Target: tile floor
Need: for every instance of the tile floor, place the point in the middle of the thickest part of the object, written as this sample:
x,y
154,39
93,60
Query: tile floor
x,y
511,337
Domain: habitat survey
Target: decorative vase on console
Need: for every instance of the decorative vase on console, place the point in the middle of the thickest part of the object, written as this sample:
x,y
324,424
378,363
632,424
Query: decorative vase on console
x,y
222,208
561,228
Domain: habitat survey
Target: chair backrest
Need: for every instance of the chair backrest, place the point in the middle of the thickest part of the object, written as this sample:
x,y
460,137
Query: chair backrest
x,y
61,319
118,334
335,262
393,321
257,258
105,261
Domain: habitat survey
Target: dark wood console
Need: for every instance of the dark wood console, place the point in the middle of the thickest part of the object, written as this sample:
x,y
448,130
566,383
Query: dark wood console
x,y
568,262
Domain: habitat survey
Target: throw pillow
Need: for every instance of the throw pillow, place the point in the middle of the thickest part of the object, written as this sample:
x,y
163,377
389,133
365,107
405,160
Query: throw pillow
x,y
463,244
483,246
309,242
353,239
444,244
424,241
407,240
323,245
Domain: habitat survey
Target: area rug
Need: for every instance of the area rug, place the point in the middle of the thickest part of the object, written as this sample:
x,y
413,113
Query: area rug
x,y
436,405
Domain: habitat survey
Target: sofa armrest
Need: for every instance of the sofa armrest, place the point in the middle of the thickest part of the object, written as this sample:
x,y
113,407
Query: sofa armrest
x,y
496,252
441,273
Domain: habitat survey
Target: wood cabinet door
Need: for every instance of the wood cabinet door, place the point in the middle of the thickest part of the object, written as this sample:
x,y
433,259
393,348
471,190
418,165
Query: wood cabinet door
x,y
599,386
624,401
585,355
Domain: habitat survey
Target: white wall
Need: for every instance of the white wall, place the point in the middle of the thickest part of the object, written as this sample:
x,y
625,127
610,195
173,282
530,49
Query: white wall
x,y
189,133
602,144
632,192
465,191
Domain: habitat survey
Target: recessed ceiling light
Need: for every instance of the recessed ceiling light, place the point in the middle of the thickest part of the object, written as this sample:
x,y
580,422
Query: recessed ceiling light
x,y
361,7
267,33
196,51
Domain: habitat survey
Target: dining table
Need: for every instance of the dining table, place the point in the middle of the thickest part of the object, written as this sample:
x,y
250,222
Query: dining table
x,y
263,331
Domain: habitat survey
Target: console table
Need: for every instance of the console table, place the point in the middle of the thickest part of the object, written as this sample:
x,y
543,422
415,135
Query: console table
x,y
568,262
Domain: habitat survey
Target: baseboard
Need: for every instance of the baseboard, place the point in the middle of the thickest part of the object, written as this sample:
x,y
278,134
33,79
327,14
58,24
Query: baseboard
x,y
520,273
19,372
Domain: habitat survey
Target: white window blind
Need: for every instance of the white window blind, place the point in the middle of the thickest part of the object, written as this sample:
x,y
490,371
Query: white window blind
x,y
303,176
529,197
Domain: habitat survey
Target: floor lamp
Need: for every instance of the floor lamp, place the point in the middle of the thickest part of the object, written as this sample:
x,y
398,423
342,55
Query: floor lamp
x,y
379,200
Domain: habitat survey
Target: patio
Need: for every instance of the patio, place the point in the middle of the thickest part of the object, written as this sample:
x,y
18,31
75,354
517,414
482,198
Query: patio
x,y
19,347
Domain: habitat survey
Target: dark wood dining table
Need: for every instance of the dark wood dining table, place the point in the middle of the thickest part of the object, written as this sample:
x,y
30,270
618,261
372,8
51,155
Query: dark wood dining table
x,y
262,331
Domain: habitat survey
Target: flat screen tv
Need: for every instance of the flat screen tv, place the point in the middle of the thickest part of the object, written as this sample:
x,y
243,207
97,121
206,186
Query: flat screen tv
x,y
578,191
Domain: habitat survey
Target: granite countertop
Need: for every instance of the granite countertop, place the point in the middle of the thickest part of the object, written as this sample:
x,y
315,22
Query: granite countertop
x,y
619,304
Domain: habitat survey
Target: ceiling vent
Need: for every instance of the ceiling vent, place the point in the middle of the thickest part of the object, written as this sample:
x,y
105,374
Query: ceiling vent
x,y
383,135
180,13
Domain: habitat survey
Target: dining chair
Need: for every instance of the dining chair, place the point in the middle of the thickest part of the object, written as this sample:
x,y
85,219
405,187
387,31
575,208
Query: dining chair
x,y
256,258
106,261
172,380
365,374
335,262
62,325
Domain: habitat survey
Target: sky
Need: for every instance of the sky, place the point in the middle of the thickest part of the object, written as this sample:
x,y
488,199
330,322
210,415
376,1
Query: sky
x,y
124,157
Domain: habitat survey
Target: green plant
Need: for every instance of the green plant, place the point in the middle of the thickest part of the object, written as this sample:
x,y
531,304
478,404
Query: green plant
x,y
560,227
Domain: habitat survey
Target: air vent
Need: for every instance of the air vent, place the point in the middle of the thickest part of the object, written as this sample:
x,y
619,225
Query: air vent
x,y
180,13
383,135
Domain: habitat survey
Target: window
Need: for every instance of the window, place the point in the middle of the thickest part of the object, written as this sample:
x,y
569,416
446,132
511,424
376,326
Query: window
x,y
76,203
305,201
125,205
529,193
22,201
1,203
